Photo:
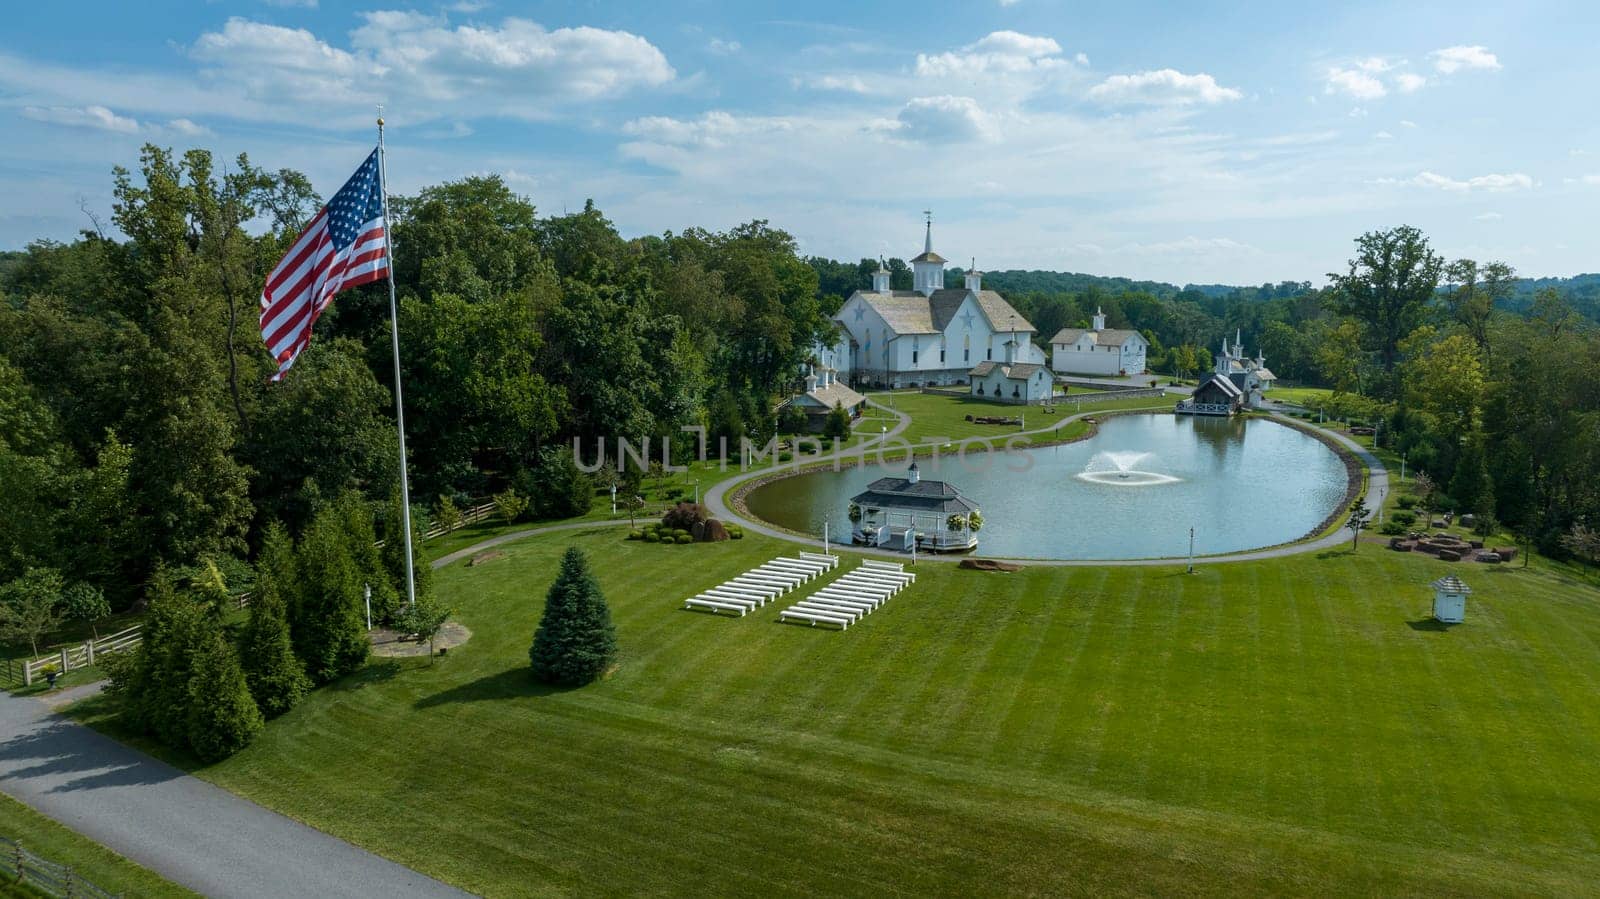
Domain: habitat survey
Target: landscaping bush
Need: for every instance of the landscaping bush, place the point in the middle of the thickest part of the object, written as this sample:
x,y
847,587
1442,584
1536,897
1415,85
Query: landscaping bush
x,y
652,537
786,456
683,538
735,532
683,516
1406,501
1404,517
1392,528
636,535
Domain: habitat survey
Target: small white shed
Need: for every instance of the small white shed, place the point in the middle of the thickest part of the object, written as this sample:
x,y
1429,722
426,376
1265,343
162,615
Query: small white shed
x,y
1450,600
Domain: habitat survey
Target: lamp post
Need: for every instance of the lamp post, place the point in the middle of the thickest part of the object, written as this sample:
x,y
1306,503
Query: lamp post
x,y
613,499
1191,551
1402,468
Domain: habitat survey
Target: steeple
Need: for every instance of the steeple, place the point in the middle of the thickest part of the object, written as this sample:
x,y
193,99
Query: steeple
x,y
880,278
928,269
1099,319
974,277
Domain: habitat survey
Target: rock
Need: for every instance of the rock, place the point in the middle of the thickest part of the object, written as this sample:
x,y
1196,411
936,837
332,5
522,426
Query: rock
x,y
1449,555
989,565
489,556
1491,558
1505,553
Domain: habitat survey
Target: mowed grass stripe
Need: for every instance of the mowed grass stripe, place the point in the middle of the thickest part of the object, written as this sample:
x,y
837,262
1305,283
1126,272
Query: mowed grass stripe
x,y
945,751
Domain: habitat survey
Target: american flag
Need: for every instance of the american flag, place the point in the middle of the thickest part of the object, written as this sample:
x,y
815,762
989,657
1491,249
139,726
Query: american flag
x,y
344,246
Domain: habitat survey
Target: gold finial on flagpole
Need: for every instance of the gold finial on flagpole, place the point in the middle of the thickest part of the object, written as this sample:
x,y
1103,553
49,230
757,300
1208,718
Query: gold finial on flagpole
x,y
380,115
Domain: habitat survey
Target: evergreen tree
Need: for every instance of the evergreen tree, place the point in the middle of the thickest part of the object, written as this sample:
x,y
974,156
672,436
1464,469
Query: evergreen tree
x,y
326,621
576,642
276,677
1471,487
361,537
837,425
394,557
158,691
558,488
221,716
1358,520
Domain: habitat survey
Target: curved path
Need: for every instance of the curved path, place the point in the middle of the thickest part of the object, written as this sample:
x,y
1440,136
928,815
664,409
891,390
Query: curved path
x,y
191,832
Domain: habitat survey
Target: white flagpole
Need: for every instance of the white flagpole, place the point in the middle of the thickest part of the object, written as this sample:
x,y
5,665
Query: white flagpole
x,y
399,403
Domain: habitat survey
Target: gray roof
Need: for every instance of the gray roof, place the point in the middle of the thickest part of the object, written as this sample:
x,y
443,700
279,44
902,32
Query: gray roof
x,y
834,394
1228,387
922,496
1105,337
1016,371
1451,584
930,256
909,312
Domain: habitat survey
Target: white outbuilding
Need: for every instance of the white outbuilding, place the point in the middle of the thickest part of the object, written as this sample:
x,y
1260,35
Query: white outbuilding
x,y
1450,600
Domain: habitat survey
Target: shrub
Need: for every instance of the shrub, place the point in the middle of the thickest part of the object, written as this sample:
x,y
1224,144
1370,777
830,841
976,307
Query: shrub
x,y
509,506
1406,501
652,537
1404,517
837,425
735,533
684,516
683,538
575,642
636,535
1392,528
786,456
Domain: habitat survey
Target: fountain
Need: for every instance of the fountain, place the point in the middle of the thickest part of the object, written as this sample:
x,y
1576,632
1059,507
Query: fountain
x,y
1117,469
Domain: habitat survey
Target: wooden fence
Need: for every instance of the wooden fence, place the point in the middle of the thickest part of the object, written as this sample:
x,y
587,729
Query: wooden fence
x,y
472,515
80,655
19,866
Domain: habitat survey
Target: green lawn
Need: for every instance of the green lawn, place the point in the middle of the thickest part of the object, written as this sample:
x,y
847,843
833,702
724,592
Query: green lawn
x,y
91,861
1307,396
935,417
1293,726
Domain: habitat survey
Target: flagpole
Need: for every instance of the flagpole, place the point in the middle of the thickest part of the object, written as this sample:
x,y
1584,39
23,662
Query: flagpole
x,y
399,403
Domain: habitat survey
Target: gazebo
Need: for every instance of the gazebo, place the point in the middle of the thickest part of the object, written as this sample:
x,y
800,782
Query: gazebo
x,y
896,513
1450,600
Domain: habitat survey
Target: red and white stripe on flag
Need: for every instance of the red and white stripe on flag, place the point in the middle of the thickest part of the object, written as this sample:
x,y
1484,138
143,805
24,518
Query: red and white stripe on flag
x,y
344,246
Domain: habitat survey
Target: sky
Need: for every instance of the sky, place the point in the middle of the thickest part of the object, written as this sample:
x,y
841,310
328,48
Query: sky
x,y
1236,143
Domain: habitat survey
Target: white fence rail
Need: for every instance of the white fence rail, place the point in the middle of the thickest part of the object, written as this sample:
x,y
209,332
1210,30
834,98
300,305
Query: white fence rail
x,y
80,655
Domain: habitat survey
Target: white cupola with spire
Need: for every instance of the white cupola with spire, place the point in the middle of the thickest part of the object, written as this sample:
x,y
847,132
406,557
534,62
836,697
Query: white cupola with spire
x,y
928,269
880,278
1099,320
974,277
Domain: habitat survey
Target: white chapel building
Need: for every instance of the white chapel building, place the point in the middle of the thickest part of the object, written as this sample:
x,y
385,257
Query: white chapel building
x,y
931,334
1098,350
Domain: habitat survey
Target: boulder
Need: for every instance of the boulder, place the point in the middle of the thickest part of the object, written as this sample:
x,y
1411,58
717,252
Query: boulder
x,y
1449,555
989,565
489,556
1506,554
710,531
1491,558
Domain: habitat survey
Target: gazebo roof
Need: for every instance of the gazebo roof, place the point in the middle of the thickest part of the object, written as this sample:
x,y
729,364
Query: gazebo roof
x,y
1451,584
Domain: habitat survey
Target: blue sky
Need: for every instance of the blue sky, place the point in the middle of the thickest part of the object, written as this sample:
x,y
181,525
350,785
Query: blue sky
x,y
1235,143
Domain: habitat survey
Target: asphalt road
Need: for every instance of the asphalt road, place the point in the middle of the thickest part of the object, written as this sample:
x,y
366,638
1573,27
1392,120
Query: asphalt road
x,y
189,831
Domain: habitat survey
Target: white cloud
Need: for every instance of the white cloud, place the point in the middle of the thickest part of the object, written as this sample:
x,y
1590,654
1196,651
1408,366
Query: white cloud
x,y
1354,82
1008,2
724,48
999,52
518,69
1585,180
1410,82
1488,217
712,130
1165,86
848,83
189,128
1491,183
1182,247
1454,59
96,117
1407,123
1383,135
945,119
293,4
468,6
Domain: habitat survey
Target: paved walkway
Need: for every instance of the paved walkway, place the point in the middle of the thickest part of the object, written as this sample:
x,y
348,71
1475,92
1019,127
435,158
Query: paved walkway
x,y
188,831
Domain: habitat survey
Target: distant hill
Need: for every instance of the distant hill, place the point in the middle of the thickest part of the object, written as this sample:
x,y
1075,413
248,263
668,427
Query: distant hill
x,y
1016,281
1582,291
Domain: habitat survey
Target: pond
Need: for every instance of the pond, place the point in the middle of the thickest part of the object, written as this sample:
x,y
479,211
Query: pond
x,y
1130,492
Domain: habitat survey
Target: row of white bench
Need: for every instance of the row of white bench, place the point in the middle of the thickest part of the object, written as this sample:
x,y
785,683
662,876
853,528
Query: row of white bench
x,y
757,587
851,597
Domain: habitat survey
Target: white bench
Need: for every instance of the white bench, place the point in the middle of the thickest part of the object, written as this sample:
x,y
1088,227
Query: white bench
x,y
753,602
782,580
890,566
714,605
831,560
758,585
810,571
843,608
814,618
883,590
818,608
896,583
871,602
799,575
880,574
765,590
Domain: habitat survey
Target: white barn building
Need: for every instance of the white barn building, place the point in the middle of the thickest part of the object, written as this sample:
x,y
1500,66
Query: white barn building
x,y
931,334
1098,350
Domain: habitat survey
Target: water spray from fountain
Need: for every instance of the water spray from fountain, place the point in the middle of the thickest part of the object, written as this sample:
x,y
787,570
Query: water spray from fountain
x,y
1116,468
